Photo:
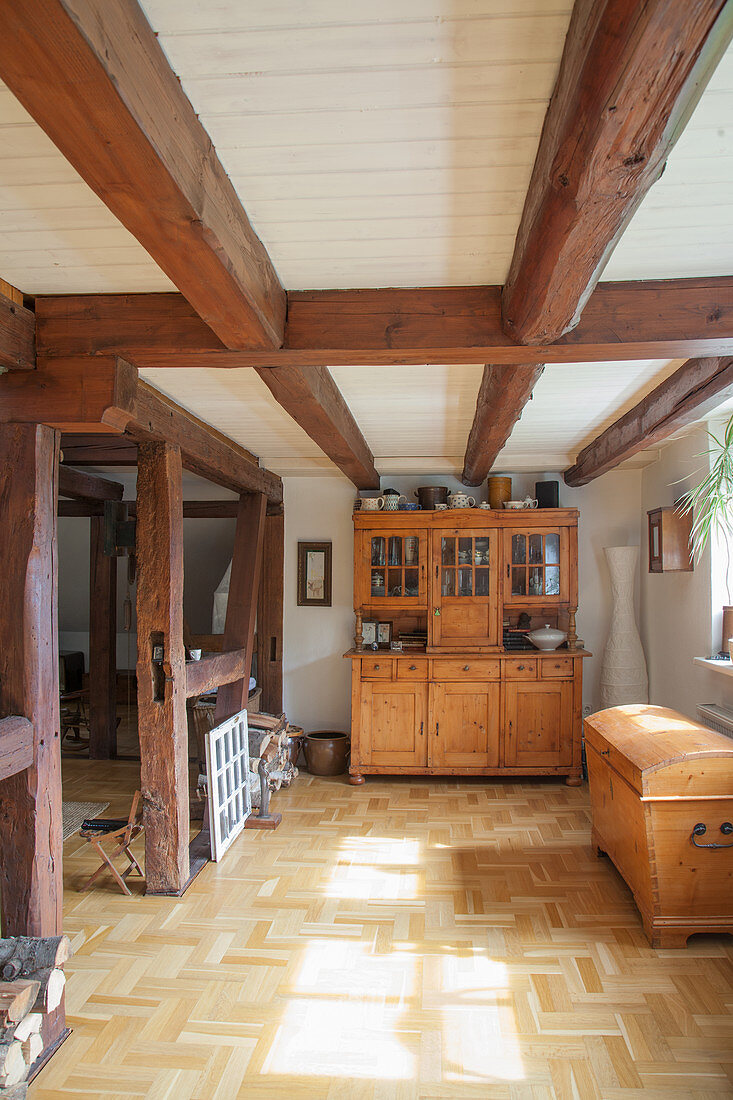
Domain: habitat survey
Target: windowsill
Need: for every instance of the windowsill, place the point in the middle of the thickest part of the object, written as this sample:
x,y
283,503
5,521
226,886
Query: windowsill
x,y
726,667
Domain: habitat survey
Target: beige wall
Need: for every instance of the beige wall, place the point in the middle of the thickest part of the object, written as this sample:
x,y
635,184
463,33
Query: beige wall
x,y
679,621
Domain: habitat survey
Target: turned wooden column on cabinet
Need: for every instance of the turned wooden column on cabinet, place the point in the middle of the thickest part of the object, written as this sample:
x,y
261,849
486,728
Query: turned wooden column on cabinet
x,y
457,588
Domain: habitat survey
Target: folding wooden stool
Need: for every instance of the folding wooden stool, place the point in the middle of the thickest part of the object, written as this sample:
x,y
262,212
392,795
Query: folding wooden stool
x,y
121,833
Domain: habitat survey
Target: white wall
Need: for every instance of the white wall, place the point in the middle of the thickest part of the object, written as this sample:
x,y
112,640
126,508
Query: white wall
x,y
678,620
317,679
317,689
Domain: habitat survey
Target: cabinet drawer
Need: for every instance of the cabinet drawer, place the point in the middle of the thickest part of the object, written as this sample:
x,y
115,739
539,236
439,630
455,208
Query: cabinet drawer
x,y
469,668
525,669
376,668
556,668
412,670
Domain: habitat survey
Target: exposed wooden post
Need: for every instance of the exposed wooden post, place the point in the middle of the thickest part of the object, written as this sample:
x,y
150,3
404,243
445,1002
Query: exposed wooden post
x,y
270,616
102,646
30,802
239,627
161,685
31,884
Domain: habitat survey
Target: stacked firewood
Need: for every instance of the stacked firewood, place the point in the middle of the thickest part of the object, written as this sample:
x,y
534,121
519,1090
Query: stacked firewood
x,y
271,738
32,985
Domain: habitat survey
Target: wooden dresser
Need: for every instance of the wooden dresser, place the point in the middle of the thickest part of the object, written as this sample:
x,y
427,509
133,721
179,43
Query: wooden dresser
x,y
662,806
462,705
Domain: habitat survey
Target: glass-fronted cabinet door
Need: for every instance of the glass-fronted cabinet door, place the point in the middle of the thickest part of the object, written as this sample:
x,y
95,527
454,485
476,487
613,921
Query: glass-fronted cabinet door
x,y
393,569
536,567
465,588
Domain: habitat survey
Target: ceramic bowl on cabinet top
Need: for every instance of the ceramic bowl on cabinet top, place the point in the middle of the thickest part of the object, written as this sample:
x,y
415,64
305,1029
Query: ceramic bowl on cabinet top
x,y
547,637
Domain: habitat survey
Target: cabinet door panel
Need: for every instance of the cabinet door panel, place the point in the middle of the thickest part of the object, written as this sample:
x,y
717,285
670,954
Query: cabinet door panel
x,y
465,725
465,588
538,724
536,566
392,569
393,724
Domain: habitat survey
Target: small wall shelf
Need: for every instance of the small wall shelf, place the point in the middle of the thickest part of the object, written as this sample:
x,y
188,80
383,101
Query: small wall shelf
x,y
669,541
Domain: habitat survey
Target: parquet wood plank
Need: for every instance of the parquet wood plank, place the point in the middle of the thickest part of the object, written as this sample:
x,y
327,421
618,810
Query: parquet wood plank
x,y
410,939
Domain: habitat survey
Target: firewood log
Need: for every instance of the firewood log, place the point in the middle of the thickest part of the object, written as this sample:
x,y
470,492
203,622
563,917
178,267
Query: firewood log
x,y
32,1047
13,1066
29,1025
52,990
22,956
17,999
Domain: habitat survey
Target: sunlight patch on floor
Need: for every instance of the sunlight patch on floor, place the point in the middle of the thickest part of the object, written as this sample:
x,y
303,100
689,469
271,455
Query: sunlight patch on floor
x,y
372,868
346,1015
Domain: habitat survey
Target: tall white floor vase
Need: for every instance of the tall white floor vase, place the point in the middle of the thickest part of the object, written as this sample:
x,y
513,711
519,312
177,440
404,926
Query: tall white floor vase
x,y
623,673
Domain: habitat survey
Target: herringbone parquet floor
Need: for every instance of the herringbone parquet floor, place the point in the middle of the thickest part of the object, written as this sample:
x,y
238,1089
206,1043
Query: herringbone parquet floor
x,y
406,939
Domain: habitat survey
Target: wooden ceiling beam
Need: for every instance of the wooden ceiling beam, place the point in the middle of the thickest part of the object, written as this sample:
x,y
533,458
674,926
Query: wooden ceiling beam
x,y
96,449
80,394
315,402
630,76
656,319
698,387
17,332
505,390
88,487
94,76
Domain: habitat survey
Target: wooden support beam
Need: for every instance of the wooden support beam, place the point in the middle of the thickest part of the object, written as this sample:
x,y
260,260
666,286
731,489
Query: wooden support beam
x,y
314,401
102,646
17,334
161,685
213,672
192,509
630,76
16,745
270,616
239,626
31,885
699,386
83,393
75,394
655,319
205,451
504,391
81,486
96,449
94,76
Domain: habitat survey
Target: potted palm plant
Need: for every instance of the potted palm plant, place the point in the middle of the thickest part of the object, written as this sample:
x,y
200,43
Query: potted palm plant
x,y
711,504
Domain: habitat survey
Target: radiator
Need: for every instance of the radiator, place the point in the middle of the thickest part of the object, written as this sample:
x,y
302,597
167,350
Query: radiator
x,y
716,718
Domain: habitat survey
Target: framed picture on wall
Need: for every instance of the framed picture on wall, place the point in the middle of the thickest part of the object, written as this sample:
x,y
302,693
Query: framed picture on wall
x,y
314,574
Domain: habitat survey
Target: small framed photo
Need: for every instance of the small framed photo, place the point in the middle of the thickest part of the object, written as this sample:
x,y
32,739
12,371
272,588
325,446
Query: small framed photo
x,y
314,574
384,635
369,632
396,647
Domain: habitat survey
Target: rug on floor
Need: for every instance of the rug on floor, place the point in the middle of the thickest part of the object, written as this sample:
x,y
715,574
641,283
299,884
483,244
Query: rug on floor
x,y
73,813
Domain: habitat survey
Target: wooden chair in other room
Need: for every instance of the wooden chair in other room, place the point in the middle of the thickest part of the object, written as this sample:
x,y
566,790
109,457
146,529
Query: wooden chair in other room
x,y
99,831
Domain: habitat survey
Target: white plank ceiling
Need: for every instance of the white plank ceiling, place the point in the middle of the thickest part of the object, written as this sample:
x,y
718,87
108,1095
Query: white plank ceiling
x,y
416,419
380,144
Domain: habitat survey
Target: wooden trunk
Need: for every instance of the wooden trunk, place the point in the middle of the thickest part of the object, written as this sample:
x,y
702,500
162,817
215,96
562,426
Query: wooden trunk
x,y
654,777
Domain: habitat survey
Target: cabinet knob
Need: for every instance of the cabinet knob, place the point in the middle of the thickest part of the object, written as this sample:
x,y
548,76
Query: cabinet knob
x,y
412,668
466,668
376,668
520,668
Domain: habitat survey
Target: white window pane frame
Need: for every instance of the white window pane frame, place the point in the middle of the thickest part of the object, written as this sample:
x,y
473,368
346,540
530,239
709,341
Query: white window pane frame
x,y
227,768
